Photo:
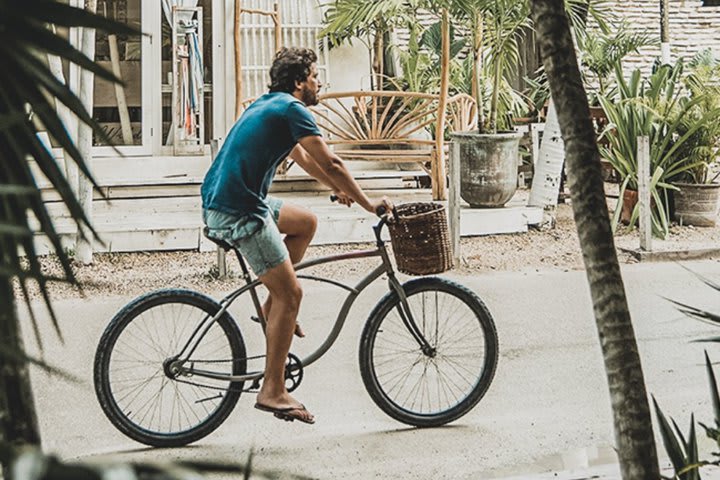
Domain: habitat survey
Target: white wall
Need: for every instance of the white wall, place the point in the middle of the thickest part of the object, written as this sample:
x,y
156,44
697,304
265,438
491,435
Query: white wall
x,y
349,68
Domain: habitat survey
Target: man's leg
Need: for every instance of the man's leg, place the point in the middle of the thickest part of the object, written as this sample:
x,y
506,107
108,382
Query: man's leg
x,y
299,226
286,294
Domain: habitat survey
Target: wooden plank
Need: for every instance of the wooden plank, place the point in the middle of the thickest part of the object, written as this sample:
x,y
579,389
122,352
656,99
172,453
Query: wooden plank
x,y
383,154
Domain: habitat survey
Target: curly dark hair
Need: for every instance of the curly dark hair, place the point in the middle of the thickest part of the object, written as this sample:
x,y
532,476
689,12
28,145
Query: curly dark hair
x,y
290,65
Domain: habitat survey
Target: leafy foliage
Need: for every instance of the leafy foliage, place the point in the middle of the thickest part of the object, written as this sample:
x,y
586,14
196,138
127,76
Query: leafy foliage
x,y
346,20
27,90
701,149
655,107
603,52
684,453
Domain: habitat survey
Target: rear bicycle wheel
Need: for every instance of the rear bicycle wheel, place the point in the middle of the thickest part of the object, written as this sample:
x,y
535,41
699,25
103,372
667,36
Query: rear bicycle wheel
x,y
132,384
428,389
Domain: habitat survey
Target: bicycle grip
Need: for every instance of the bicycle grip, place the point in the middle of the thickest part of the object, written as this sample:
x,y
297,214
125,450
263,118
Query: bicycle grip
x,y
333,198
381,210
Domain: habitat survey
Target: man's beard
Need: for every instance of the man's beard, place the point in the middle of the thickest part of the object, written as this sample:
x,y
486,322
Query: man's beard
x,y
309,97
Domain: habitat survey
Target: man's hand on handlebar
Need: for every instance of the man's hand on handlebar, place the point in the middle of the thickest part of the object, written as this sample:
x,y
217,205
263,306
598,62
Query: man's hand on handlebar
x,y
342,198
382,206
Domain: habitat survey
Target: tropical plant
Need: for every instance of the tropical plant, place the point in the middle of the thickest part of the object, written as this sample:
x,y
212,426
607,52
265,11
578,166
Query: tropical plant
x,y
631,412
657,108
27,93
683,451
368,21
602,53
701,149
496,28
420,60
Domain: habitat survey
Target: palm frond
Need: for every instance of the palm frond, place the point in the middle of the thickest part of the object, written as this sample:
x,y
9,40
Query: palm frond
x,y
28,91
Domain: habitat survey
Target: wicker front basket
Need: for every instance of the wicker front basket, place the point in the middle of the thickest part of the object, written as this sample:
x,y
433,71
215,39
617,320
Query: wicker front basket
x,y
420,238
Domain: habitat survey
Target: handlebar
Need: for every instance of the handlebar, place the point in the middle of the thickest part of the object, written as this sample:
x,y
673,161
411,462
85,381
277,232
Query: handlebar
x,y
380,212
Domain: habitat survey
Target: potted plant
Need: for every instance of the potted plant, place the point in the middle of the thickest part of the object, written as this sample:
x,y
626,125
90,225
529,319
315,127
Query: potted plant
x,y
658,108
696,201
489,156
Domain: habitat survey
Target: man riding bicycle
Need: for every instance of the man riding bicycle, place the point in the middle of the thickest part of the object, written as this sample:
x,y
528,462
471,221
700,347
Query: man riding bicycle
x,y
237,208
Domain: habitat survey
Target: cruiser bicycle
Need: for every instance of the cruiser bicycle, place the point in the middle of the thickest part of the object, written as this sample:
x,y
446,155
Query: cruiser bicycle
x,y
172,364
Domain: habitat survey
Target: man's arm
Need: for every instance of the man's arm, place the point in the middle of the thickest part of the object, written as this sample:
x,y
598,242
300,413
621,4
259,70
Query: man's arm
x,y
329,169
307,163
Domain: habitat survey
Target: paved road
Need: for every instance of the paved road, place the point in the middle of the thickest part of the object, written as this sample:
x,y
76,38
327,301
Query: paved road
x,y
549,394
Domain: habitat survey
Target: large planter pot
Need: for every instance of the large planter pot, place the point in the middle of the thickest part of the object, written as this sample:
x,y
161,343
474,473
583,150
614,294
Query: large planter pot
x,y
488,167
697,204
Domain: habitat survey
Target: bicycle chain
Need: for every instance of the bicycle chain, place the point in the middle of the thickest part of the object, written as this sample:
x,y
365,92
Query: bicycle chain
x,y
294,375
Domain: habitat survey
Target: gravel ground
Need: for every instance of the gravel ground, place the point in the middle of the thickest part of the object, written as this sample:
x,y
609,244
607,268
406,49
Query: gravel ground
x,y
557,248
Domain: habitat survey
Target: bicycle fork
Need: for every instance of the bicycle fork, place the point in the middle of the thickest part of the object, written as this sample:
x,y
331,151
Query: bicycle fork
x,y
403,309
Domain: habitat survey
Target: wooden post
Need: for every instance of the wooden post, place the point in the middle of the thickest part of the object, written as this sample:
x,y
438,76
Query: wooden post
x,y
439,192
84,240
221,261
125,126
665,31
278,26
238,59
454,203
643,158
120,92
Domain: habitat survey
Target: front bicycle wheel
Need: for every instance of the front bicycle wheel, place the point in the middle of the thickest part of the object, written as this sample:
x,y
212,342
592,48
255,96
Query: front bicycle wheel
x,y
136,390
436,386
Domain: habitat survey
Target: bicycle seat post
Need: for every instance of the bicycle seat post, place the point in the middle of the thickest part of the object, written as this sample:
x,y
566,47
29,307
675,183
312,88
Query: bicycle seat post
x,y
253,293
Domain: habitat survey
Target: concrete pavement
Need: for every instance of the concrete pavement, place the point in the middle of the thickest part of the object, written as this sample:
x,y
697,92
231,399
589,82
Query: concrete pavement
x,y
546,411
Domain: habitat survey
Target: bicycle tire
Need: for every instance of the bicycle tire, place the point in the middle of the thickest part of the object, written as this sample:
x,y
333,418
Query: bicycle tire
x,y
124,416
373,355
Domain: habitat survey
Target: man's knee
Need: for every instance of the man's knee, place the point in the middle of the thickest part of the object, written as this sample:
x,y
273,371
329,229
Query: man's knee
x,y
312,224
291,296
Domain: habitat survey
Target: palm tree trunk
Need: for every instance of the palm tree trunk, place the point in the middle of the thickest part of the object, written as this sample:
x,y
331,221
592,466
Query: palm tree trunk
x,y
631,412
18,419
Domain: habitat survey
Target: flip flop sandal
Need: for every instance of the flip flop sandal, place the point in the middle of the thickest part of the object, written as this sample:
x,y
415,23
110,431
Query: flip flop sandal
x,y
284,413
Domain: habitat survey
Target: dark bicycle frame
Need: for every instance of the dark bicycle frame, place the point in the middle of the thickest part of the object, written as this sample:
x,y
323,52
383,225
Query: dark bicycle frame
x,y
385,267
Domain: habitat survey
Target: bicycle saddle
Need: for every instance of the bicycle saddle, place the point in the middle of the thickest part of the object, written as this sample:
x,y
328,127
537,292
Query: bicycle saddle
x,y
218,241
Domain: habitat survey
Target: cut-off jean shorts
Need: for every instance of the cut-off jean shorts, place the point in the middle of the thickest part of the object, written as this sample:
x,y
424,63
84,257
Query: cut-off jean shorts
x,y
258,240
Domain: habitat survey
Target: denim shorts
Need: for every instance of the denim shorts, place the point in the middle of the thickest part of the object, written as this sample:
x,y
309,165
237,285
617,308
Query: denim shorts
x,y
258,240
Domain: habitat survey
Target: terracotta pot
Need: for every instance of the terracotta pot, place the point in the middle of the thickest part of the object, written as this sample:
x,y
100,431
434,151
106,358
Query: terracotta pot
x,y
630,199
697,204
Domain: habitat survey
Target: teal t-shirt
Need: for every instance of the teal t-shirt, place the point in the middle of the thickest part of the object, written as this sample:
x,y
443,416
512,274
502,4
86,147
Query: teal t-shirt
x,y
239,178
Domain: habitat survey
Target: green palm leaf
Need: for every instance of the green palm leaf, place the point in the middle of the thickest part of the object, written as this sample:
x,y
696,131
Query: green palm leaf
x,y
27,102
